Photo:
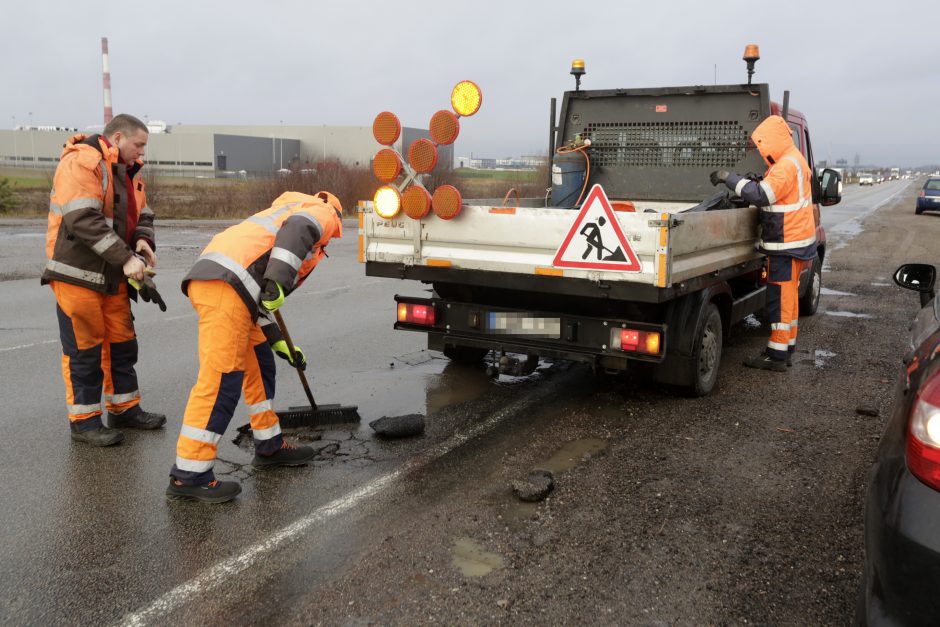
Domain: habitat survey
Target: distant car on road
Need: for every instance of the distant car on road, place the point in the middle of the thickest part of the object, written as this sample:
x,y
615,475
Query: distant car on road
x,y
929,196
866,179
901,579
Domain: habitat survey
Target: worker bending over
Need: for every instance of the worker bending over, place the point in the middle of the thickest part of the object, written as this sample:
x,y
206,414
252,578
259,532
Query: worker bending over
x,y
243,274
788,232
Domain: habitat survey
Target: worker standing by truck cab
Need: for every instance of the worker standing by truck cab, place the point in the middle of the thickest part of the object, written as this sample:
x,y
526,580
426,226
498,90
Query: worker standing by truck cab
x,y
98,220
243,274
788,232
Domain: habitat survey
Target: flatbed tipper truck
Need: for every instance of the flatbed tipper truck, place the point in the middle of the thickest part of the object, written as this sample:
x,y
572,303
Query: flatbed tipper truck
x,y
632,263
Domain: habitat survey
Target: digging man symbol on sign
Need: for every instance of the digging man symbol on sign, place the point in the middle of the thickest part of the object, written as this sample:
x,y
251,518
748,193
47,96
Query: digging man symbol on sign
x,y
592,233
595,224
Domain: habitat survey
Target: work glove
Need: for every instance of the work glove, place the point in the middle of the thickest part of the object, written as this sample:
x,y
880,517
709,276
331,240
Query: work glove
x,y
280,348
272,296
719,176
148,291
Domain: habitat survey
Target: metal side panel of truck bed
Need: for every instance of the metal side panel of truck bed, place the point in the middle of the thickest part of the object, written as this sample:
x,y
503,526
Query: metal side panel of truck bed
x,y
672,247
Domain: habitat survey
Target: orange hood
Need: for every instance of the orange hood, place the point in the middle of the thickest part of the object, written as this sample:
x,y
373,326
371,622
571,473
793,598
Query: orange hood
x,y
772,138
333,201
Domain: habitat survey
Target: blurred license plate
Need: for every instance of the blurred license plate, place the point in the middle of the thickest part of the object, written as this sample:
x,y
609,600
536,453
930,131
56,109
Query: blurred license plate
x,y
510,323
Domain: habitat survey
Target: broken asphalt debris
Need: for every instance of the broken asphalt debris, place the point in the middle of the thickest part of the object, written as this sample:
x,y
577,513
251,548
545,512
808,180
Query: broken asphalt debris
x,y
538,485
405,426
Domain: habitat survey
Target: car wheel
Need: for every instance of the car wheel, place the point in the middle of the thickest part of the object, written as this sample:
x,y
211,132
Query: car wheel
x,y
918,211
809,301
706,353
465,354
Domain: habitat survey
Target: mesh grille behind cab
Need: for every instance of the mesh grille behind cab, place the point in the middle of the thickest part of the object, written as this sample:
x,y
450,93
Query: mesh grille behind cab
x,y
710,144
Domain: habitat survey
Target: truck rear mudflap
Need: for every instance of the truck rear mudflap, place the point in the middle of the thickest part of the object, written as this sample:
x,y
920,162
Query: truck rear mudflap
x,y
605,342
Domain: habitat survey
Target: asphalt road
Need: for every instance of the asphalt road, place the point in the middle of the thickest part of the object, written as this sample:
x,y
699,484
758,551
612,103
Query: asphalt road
x,y
743,506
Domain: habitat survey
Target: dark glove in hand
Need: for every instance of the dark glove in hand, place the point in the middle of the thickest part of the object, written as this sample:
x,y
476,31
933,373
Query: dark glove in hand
x,y
149,294
269,291
719,176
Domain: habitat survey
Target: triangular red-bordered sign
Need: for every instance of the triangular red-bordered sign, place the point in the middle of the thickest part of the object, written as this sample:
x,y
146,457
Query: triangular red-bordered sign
x,y
585,245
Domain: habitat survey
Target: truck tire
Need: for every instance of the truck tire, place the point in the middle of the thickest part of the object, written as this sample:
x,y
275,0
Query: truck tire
x,y
465,354
809,301
706,352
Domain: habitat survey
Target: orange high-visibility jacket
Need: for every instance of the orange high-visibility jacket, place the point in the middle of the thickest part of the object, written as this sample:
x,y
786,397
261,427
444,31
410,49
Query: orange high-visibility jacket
x,y
85,237
283,243
787,223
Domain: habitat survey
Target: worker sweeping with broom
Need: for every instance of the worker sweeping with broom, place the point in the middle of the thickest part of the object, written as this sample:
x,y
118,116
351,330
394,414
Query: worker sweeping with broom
x,y
244,274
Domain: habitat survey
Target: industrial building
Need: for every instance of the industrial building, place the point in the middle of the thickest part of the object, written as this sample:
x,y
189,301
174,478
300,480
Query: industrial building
x,y
210,151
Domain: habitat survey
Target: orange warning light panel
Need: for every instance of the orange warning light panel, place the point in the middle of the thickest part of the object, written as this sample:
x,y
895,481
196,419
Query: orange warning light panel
x,y
416,202
446,202
445,126
422,155
387,202
386,128
386,165
466,98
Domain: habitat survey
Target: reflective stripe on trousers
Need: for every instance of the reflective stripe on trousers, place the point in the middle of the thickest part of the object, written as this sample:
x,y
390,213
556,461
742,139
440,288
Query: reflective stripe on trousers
x,y
782,306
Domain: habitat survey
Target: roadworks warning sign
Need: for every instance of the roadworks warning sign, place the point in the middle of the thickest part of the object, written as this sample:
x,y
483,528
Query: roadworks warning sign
x,y
596,241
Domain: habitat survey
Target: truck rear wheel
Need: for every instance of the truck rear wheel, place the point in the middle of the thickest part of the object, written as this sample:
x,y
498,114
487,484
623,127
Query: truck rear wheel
x,y
706,352
809,301
465,354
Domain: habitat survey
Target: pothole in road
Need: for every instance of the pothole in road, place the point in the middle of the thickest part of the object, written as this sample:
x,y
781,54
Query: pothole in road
x,y
569,455
472,559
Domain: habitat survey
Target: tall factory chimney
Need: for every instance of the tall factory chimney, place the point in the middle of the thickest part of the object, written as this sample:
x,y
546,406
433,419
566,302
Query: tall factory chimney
x,y
108,113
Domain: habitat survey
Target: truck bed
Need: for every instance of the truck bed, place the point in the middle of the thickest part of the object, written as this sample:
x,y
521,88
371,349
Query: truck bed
x,y
672,244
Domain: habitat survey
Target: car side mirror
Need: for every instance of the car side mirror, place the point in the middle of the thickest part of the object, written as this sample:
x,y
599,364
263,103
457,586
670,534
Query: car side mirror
x,y
831,183
919,277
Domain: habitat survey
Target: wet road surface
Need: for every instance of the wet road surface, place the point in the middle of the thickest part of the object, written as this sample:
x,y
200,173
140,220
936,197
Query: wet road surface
x,y
88,536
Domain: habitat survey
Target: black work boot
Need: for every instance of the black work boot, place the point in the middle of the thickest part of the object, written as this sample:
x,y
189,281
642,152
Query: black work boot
x,y
213,492
766,362
789,360
136,418
287,455
100,436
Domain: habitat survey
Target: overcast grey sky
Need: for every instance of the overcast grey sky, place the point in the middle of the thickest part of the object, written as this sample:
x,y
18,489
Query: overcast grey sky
x,y
866,74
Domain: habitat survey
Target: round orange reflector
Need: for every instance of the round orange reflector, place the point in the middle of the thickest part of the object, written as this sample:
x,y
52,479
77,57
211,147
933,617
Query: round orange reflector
x,y
444,127
387,202
422,155
386,166
386,128
466,98
416,202
446,202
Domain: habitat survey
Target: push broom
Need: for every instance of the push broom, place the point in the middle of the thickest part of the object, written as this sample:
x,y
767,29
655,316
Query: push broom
x,y
314,415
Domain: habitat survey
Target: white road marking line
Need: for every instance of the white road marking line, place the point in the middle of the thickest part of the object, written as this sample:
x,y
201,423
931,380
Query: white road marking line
x,y
13,348
217,575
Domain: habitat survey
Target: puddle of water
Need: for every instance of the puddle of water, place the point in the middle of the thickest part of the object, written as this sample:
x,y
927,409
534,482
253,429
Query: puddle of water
x,y
847,314
570,454
828,292
457,383
881,284
472,559
821,357
518,513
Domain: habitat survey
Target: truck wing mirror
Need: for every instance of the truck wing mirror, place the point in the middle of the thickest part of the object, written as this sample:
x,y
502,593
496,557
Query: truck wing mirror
x,y
831,183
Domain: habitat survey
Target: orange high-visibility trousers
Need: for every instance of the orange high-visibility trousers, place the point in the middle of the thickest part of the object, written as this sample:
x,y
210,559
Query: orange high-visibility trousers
x,y
782,305
99,350
234,357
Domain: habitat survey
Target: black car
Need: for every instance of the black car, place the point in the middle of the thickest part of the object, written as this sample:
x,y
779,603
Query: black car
x,y
901,582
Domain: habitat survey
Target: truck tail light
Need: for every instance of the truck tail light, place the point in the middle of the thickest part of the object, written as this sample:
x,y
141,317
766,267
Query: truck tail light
x,y
413,313
923,438
636,341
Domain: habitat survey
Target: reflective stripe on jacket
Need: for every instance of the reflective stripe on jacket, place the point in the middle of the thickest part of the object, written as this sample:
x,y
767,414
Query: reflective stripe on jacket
x,y
85,237
283,243
787,223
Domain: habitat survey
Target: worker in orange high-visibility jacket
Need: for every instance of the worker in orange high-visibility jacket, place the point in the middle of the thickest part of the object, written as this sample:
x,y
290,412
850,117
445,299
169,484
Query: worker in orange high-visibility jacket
x,y
242,276
788,232
98,219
